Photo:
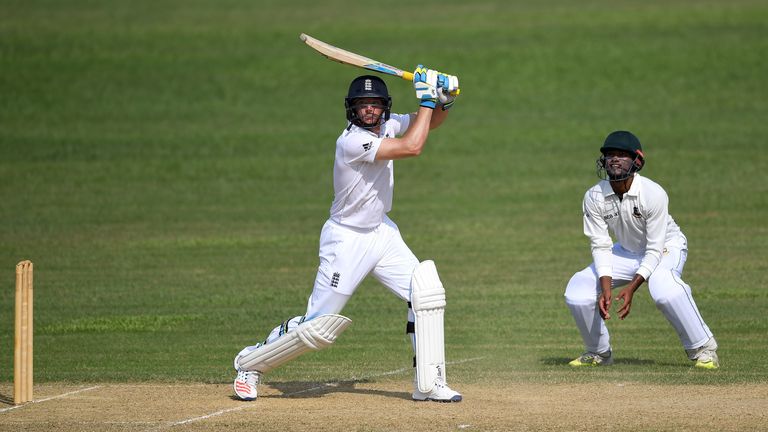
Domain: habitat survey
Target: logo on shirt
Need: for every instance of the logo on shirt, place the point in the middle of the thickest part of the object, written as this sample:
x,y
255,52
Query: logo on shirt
x,y
636,212
367,146
335,280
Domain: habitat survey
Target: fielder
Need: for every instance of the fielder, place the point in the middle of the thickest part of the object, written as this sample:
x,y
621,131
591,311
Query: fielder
x,y
650,247
359,239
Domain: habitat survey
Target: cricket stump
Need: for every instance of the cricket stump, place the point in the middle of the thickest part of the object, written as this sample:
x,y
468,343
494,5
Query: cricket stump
x,y
22,350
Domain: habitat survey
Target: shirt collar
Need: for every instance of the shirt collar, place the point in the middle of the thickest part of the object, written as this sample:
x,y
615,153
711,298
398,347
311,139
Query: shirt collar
x,y
634,189
380,134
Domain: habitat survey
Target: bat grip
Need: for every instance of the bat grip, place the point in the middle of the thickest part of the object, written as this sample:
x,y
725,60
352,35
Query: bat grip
x,y
408,76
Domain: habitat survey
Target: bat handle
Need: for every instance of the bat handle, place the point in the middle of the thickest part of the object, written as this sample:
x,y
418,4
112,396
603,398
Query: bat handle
x,y
408,76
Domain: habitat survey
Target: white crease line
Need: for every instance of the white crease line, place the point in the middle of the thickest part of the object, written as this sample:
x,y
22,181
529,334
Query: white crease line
x,y
217,413
49,398
331,384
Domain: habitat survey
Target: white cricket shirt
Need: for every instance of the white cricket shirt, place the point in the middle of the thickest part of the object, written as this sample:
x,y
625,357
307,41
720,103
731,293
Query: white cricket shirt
x,y
640,221
363,185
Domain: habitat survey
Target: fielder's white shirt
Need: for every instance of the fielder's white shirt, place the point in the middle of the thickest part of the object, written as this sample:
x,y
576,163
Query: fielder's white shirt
x,y
640,221
363,185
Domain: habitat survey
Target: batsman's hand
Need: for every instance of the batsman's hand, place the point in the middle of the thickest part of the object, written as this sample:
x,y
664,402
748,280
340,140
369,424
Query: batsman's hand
x,y
447,90
425,84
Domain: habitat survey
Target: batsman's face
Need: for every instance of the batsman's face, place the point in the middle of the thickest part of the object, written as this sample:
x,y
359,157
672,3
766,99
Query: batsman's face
x,y
369,110
618,162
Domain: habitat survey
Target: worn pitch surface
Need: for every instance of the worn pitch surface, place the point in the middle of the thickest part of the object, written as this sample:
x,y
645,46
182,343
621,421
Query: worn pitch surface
x,y
387,406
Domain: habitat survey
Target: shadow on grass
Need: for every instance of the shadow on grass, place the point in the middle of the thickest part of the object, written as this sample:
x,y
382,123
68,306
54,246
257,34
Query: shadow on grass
x,y
308,389
563,361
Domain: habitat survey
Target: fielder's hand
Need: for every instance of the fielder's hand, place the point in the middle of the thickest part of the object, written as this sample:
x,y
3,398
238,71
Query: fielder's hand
x,y
425,84
626,296
447,90
604,304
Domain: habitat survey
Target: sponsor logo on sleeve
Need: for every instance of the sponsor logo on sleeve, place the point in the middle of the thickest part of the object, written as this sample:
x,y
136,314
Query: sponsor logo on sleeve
x,y
367,146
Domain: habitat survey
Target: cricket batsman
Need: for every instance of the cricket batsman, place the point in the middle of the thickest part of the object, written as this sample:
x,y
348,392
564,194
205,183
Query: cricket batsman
x,y
360,239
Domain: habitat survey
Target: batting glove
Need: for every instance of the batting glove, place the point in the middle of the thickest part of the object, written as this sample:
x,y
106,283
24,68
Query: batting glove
x,y
447,90
425,83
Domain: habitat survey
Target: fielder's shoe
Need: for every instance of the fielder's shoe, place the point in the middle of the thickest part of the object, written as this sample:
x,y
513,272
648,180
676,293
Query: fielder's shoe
x,y
593,359
705,355
246,382
440,393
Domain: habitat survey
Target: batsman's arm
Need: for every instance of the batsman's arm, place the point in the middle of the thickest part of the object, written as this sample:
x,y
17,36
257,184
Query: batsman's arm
x,y
438,117
425,83
412,142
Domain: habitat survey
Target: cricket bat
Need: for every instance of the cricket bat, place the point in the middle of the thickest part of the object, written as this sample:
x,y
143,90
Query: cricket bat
x,y
349,58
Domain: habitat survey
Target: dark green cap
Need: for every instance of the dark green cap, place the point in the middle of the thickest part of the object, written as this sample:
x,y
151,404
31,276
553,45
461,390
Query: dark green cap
x,y
622,140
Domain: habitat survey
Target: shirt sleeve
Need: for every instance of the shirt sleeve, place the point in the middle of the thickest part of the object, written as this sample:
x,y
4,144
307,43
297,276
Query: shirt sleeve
x,y
400,123
656,219
359,148
596,229
362,147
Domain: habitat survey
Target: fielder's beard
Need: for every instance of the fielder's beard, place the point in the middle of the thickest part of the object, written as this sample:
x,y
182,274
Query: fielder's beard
x,y
618,171
615,169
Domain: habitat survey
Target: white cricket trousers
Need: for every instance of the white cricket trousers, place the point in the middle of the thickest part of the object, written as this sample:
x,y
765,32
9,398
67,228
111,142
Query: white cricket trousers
x,y
671,295
347,256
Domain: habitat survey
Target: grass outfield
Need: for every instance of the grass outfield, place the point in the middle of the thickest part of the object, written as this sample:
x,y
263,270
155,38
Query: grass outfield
x,y
167,167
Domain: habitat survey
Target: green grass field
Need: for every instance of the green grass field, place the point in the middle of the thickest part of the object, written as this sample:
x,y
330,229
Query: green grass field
x,y
167,167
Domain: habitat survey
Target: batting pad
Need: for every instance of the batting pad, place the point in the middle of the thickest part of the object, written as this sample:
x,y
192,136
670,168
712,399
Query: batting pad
x,y
428,303
312,335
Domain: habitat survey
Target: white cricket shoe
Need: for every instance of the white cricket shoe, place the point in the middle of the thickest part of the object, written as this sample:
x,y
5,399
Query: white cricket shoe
x,y
705,356
246,383
440,393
